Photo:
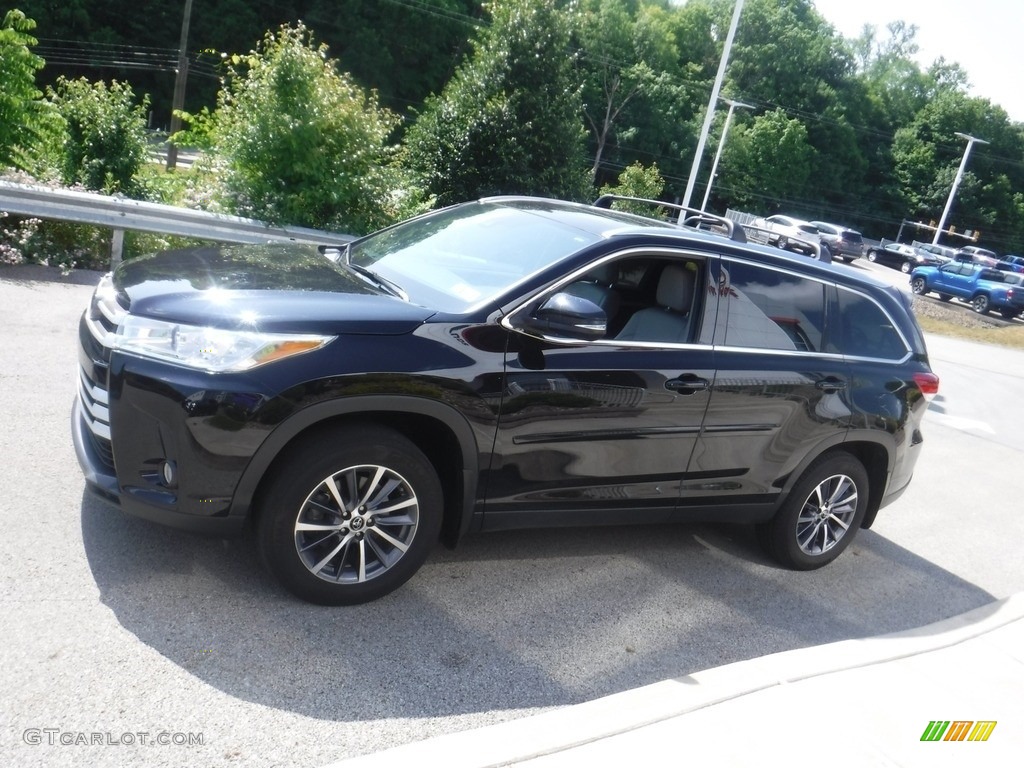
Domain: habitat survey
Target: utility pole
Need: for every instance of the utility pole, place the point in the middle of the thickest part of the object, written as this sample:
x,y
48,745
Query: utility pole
x,y
721,143
971,141
699,155
178,102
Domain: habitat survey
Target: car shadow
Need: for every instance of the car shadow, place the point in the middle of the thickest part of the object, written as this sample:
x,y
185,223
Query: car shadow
x,y
513,620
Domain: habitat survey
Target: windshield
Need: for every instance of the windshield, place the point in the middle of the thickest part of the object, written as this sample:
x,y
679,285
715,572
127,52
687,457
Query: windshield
x,y
460,257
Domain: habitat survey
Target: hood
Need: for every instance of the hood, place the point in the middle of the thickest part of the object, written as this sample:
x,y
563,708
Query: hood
x,y
274,288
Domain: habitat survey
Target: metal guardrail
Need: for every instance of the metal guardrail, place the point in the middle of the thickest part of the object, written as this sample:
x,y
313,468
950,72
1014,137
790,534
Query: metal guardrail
x,y
121,213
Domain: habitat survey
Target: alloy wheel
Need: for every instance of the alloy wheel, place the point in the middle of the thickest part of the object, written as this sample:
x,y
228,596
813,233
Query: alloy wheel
x,y
826,515
356,524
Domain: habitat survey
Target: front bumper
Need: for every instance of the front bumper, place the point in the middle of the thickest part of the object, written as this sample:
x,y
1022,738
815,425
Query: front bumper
x,y
154,505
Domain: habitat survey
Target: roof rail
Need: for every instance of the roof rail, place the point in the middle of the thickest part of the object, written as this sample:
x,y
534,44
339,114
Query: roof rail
x,y
691,218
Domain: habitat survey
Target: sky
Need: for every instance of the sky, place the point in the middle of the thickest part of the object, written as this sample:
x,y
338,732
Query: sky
x,y
985,37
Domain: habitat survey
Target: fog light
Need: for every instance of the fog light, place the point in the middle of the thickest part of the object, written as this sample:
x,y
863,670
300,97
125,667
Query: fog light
x,y
169,470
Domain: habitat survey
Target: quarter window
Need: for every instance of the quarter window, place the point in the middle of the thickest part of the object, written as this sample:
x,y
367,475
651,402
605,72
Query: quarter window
x,y
866,330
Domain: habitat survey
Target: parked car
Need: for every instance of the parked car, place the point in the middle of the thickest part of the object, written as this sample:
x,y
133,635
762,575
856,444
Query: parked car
x,y
846,243
983,288
943,252
1011,263
902,256
791,234
498,364
977,255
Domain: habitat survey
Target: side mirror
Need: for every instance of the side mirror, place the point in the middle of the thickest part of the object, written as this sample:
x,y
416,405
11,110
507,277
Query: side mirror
x,y
567,316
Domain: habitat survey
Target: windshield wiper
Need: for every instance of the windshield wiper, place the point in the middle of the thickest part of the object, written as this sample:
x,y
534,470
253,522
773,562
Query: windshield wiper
x,y
381,282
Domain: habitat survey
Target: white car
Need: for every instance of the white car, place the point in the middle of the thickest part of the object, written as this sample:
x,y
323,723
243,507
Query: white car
x,y
793,234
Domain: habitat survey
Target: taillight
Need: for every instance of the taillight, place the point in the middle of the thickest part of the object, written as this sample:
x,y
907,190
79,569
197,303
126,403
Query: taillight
x,y
928,383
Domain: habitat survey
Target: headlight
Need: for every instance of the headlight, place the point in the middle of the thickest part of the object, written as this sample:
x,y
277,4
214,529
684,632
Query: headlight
x,y
209,349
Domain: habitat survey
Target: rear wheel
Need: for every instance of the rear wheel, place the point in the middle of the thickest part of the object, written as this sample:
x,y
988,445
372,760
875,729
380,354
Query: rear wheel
x,y
980,304
350,516
1008,314
821,515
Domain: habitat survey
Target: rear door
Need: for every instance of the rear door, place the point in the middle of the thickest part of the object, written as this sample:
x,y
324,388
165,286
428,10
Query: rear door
x,y
780,392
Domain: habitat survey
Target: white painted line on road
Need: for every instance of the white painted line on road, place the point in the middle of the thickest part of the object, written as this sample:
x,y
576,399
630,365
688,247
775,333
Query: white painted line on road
x,y
958,422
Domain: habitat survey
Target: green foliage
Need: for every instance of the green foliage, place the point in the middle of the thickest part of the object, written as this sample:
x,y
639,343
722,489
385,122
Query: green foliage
x,y
768,164
636,181
105,140
508,122
20,101
300,143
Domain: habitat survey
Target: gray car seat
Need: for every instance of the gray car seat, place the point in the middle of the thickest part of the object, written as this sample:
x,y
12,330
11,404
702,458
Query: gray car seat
x,y
670,320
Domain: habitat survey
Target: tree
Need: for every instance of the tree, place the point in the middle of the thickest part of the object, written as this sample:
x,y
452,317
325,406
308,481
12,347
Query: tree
x,y
622,49
20,100
768,165
301,143
105,140
509,119
637,181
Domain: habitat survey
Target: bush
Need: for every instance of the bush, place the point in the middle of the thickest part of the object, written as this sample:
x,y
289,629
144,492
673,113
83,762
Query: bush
x,y
300,143
104,142
637,181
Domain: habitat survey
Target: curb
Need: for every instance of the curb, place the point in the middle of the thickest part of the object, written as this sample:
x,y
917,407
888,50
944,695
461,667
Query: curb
x,y
584,724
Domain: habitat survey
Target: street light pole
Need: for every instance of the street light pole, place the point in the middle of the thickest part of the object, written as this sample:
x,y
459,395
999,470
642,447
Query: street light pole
x,y
971,141
721,143
712,102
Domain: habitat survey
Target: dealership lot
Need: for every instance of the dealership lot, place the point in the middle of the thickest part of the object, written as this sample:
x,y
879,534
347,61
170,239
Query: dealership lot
x,y
125,643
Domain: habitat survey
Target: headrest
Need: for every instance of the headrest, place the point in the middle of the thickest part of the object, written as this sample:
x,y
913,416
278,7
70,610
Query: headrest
x,y
675,288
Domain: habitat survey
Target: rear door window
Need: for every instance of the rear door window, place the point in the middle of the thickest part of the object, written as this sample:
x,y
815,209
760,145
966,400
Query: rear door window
x,y
767,308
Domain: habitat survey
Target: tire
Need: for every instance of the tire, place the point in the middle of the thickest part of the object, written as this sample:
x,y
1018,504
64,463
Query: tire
x,y
905,267
919,286
980,304
872,256
806,533
369,504
1008,314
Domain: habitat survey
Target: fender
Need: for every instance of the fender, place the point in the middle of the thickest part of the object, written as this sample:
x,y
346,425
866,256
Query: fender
x,y
844,442
318,413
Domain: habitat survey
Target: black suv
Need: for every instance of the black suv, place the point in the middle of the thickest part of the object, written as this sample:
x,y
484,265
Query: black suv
x,y
499,364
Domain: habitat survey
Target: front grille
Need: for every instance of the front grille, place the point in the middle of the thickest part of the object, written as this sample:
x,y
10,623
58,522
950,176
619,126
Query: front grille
x,y
102,319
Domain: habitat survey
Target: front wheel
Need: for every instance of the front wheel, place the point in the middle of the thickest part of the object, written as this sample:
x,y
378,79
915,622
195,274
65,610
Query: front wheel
x,y
872,256
350,515
980,304
821,515
919,286
905,267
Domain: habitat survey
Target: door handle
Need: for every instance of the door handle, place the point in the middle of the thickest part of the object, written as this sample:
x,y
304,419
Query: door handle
x,y
831,384
688,384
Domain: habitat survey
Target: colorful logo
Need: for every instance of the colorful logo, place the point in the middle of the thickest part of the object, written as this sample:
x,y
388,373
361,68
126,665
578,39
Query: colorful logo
x,y
958,730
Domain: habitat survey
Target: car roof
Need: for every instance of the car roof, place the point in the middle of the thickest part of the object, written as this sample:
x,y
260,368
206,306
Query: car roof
x,y
840,227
